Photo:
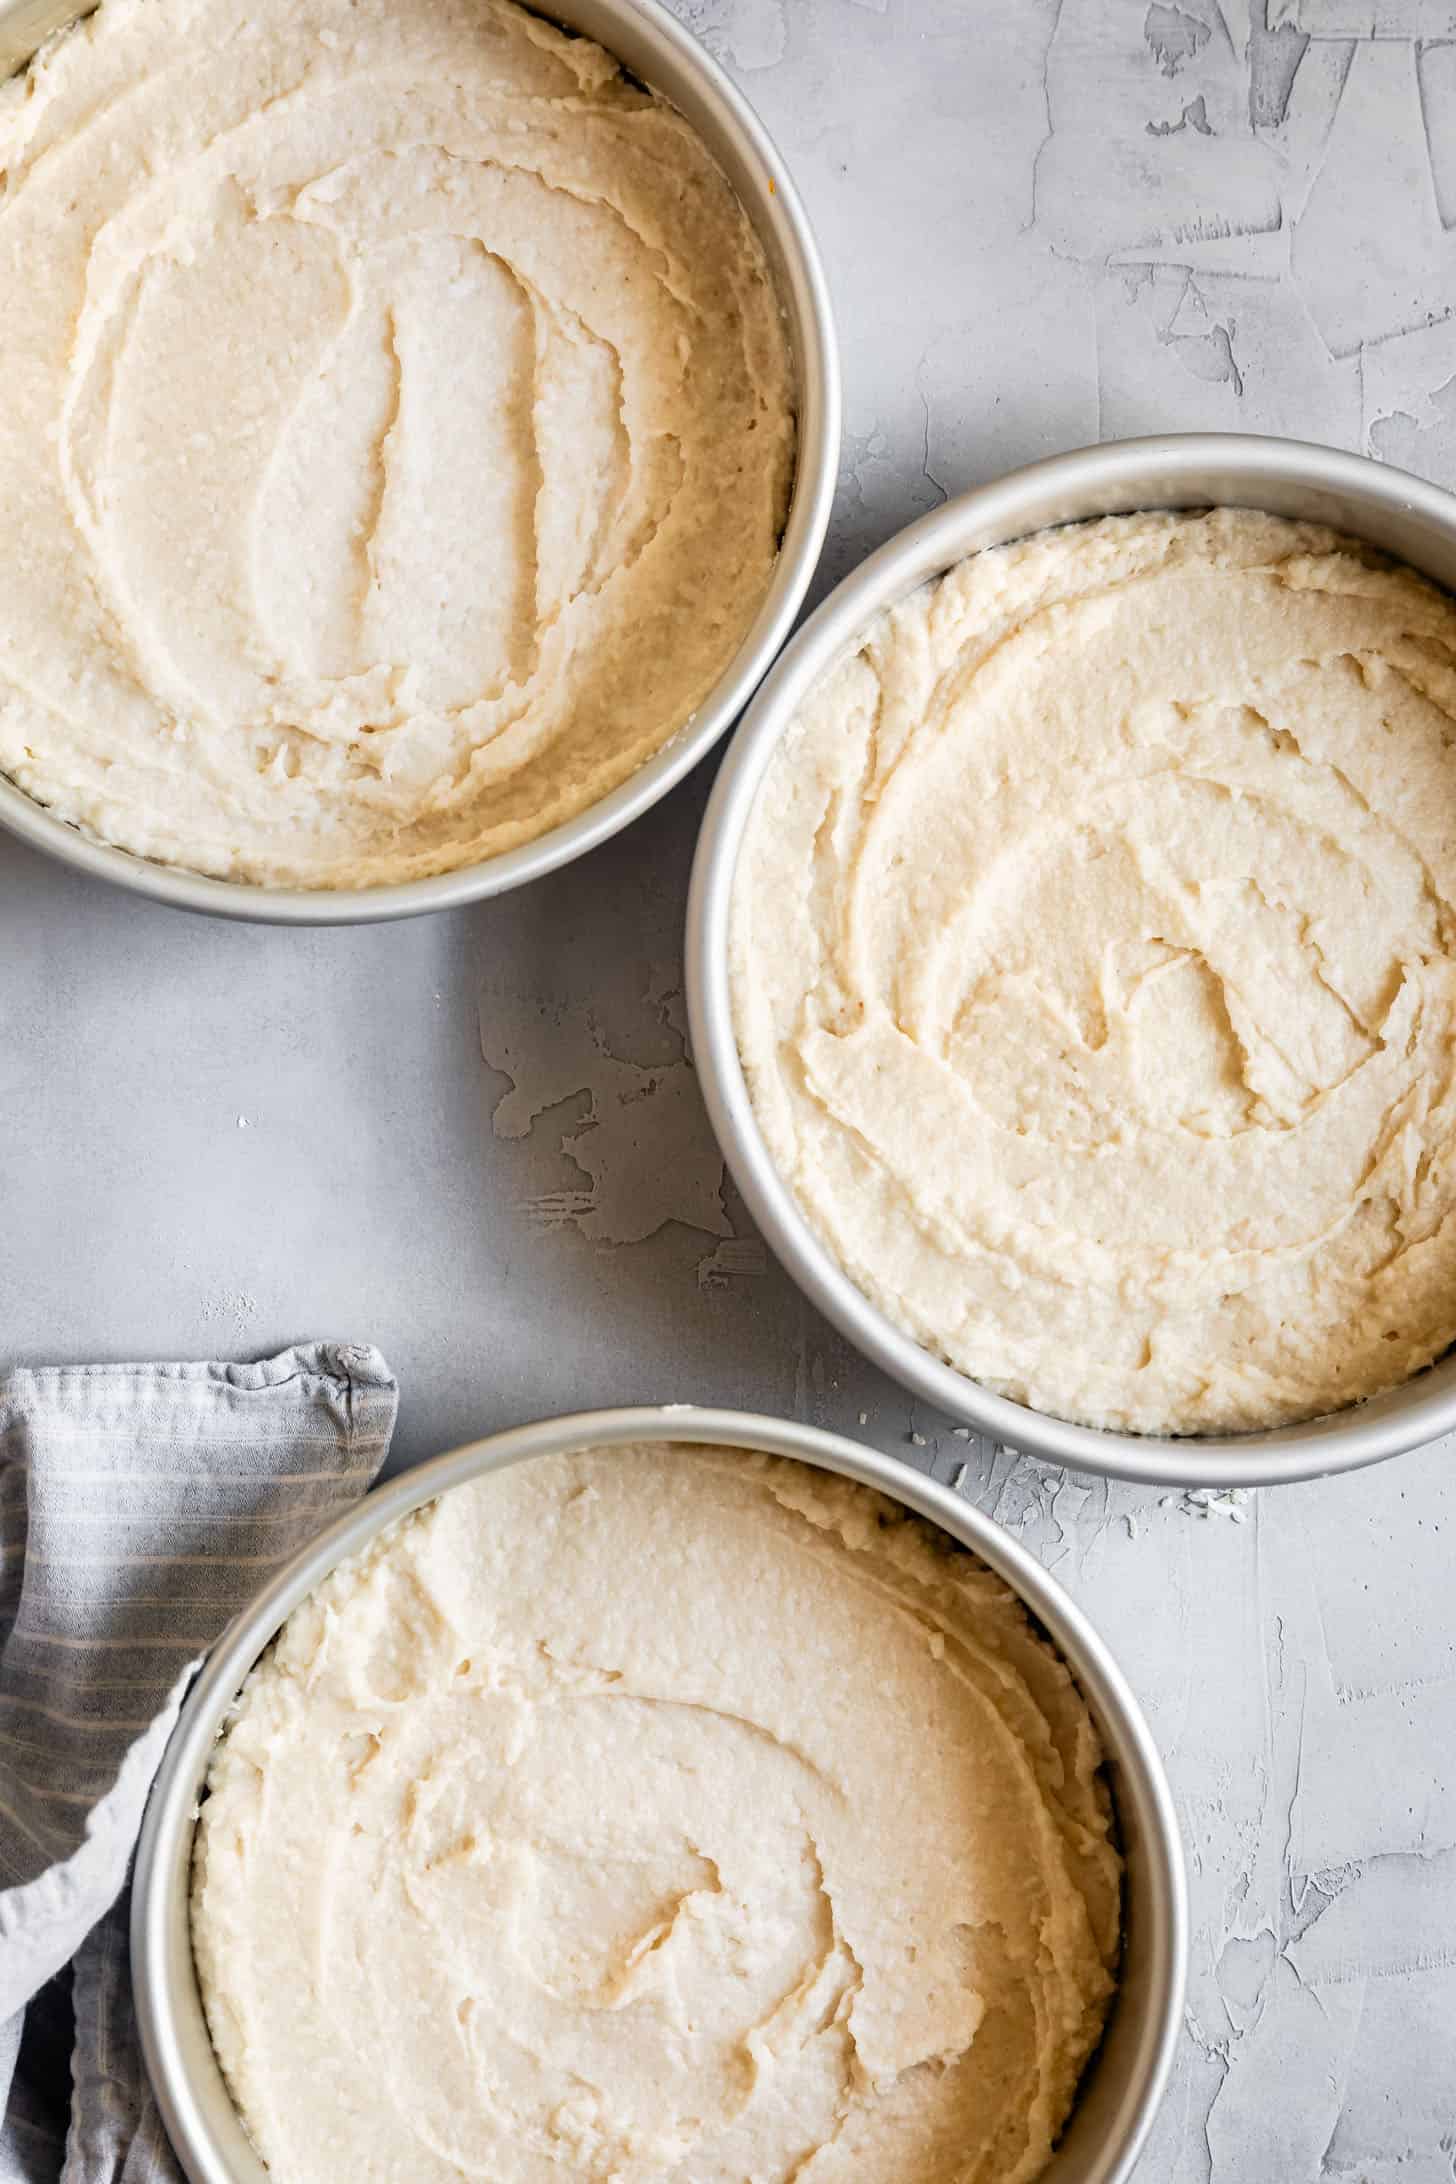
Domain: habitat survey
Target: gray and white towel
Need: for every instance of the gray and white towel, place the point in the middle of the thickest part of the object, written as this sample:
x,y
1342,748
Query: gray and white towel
x,y
140,1507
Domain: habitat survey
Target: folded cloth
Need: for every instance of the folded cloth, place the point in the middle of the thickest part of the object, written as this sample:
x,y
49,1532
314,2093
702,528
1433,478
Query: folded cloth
x,y
140,1507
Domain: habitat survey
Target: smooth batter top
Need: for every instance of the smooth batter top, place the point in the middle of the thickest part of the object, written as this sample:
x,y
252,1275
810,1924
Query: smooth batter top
x,y
1093,968
396,431
657,1813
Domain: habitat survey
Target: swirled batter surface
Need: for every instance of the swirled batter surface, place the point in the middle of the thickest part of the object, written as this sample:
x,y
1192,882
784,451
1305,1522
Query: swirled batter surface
x,y
1095,970
657,1813
396,437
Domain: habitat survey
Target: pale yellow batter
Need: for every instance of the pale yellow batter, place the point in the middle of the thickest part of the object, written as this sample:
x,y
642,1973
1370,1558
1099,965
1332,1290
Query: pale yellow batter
x,y
1095,970
657,1813
396,431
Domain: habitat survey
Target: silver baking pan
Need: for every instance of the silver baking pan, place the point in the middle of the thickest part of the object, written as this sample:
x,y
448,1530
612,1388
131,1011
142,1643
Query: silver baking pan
x,y
653,44
1402,515
1126,2077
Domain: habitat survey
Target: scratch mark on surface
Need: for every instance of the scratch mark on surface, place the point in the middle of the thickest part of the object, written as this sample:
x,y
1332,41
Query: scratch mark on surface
x,y
1045,61
736,1258
1295,1788
926,472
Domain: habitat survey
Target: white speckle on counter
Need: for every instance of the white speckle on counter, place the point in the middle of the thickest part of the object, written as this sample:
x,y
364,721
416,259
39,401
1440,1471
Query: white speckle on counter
x,y
1225,1501
229,1313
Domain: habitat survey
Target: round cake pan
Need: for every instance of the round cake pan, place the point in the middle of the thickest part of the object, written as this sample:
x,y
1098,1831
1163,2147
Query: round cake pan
x,y
655,47
1126,2077
1400,514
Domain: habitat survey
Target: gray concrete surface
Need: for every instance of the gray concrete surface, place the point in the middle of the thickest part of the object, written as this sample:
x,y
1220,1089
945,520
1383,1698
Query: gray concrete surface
x,y
476,1140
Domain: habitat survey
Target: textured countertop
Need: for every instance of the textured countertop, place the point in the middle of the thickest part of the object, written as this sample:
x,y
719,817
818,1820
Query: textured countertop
x,y
477,1141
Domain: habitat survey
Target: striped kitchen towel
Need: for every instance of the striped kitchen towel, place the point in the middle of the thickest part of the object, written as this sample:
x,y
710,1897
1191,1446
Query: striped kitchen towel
x,y
140,1507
